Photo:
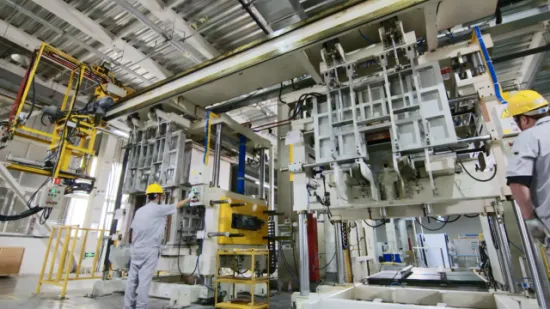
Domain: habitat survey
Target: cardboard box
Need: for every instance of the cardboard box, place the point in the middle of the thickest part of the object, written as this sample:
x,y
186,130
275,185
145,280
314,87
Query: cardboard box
x,y
10,260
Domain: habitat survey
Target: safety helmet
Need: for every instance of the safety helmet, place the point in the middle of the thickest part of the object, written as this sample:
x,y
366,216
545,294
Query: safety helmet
x,y
526,102
154,188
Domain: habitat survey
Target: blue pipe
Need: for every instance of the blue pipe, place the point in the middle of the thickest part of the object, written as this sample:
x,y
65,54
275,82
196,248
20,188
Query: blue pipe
x,y
489,63
242,164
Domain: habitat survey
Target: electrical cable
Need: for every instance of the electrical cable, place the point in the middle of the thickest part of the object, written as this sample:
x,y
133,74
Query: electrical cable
x,y
24,214
332,259
477,179
365,37
293,273
377,225
471,216
448,220
429,229
301,104
517,247
32,210
281,92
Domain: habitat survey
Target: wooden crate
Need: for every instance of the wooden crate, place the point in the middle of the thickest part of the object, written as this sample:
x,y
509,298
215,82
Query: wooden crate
x,y
10,260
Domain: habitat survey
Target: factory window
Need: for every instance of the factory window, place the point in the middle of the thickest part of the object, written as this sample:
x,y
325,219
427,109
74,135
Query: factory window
x,y
110,196
76,212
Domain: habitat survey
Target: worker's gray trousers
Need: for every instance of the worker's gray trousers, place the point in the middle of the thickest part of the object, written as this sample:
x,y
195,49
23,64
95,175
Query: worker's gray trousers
x,y
142,267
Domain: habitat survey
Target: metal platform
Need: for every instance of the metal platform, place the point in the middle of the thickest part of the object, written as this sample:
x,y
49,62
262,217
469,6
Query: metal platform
x,y
430,278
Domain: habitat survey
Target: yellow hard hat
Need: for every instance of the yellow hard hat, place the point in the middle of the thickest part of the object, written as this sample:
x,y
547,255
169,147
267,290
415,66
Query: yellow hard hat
x,y
526,102
154,188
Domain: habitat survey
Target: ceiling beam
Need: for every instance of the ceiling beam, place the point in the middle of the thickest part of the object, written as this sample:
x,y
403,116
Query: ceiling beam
x,y
430,15
532,63
91,28
57,87
174,41
297,7
199,43
92,50
31,44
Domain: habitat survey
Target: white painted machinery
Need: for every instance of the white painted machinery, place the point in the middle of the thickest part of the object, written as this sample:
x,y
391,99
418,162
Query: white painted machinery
x,y
391,131
159,152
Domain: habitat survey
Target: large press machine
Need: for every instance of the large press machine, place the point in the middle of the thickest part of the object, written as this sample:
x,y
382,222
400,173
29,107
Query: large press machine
x,y
392,130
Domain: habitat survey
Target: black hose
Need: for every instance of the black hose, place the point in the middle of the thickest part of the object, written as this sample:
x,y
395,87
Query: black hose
x,y
280,93
475,178
448,220
429,229
332,259
375,226
23,215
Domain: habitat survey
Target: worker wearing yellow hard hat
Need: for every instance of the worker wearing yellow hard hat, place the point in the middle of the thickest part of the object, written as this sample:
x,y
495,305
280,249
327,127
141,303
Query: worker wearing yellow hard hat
x,y
529,167
147,231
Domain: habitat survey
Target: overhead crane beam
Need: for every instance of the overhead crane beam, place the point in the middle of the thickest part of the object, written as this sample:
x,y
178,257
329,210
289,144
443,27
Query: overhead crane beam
x,y
294,39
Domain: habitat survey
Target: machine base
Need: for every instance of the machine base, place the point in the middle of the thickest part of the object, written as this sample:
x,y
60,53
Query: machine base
x,y
180,295
365,297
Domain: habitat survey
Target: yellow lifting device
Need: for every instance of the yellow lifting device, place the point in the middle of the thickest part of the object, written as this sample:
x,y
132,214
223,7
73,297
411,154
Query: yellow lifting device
x,y
71,140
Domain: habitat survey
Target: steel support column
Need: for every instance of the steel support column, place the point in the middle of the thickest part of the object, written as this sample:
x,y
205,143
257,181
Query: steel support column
x,y
261,176
304,254
534,260
217,156
118,204
340,269
504,251
242,164
313,249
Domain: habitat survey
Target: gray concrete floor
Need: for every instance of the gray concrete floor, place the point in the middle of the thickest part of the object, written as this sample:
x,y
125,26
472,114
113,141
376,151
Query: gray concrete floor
x,y
18,293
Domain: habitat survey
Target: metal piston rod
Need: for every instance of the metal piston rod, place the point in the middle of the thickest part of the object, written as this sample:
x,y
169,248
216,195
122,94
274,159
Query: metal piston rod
x,y
534,260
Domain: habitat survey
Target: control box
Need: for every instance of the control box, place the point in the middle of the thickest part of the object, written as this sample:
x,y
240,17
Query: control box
x,y
200,191
51,196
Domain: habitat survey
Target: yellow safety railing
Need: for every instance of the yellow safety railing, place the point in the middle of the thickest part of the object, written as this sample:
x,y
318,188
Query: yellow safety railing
x,y
65,253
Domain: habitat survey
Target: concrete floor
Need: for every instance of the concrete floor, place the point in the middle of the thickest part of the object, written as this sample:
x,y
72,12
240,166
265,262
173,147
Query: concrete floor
x,y
18,293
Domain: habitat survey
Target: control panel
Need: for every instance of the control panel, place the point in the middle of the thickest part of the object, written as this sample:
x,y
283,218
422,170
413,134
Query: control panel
x,y
52,196
200,191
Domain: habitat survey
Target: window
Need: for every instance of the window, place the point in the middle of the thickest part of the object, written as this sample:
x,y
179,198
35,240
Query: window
x,y
76,212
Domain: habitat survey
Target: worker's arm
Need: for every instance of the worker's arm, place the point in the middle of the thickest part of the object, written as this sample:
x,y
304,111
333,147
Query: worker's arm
x,y
521,167
183,202
190,197
522,196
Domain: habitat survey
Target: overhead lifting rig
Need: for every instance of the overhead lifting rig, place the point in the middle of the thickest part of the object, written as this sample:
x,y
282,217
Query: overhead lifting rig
x,y
69,130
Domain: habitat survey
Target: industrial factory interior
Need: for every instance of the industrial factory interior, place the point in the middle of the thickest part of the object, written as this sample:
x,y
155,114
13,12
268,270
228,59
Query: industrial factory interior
x,y
285,154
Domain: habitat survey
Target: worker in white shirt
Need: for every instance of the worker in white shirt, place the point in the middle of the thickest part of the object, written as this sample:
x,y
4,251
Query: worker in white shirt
x,y
147,232
528,171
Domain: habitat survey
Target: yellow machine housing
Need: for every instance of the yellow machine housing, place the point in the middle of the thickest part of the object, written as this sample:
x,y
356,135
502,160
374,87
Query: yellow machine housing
x,y
250,237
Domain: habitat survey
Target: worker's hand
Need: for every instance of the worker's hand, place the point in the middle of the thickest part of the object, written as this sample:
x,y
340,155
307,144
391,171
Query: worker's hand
x,y
193,196
536,229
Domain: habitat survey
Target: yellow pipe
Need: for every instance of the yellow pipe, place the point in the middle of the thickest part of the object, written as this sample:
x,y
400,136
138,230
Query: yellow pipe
x,y
48,247
81,149
58,237
68,91
99,240
291,159
64,55
63,253
34,131
81,254
69,263
32,73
